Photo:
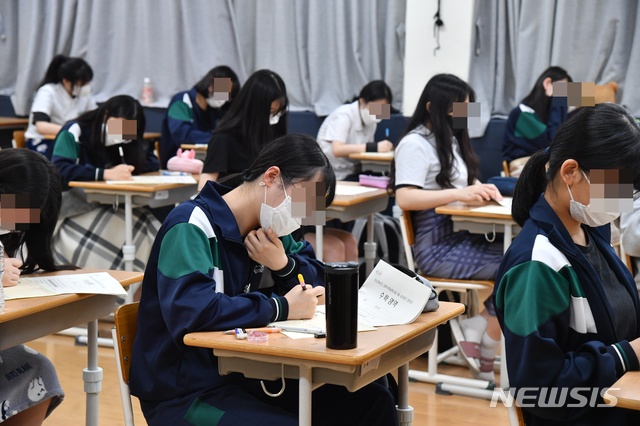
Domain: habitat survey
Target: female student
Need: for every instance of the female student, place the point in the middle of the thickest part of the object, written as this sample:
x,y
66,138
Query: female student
x,y
567,305
193,114
218,264
435,165
532,124
63,95
256,117
103,144
27,396
350,128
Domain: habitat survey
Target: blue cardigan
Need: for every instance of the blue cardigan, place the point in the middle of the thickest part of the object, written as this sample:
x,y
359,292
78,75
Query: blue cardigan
x,y
557,322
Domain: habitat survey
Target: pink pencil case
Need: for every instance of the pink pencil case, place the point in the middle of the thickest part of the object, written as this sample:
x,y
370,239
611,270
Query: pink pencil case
x,y
374,181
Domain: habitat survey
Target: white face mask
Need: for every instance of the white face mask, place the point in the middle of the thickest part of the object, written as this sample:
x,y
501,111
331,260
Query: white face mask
x,y
583,214
274,118
113,139
278,218
367,118
81,90
215,103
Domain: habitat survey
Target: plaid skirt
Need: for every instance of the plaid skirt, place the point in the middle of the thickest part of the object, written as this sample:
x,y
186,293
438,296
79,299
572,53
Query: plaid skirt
x,y
440,252
27,378
94,239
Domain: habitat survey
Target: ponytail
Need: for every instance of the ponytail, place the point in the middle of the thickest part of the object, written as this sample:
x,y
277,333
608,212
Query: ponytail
x,y
531,183
73,69
51,76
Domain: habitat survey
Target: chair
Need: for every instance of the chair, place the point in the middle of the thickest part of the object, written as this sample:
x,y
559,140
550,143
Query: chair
x,y
156,146
124,333
18,137
505,168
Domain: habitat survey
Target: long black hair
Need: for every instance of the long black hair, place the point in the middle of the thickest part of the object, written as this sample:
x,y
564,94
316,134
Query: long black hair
x,y
250,111
221,71
23,171
75,70
122,106
537,99
602,137
441,92
299,158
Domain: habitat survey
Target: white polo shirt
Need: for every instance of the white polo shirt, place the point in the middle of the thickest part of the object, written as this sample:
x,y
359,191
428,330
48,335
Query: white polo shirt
x,y
52,99
417,162
344,124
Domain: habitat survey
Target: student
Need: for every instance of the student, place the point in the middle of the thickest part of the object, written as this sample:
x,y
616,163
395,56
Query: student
x,y
88,149
63,95
216,265
567,304
351,127
257,116
434,165
532,124
27,396
193,114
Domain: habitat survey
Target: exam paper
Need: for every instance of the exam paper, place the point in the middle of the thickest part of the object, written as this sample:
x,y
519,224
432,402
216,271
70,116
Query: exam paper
x,y
352,189
153,180
93,283
318,322
493,210
390,297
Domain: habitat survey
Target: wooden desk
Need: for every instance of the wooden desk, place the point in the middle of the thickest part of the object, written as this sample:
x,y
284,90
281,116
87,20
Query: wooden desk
x,y
625,393
149,136
14,122
309,360
23,320
351,207
200,149
374,161
136,195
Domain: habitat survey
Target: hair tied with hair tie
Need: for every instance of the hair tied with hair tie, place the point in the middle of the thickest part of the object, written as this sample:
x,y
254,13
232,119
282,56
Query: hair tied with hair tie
x,y
547,152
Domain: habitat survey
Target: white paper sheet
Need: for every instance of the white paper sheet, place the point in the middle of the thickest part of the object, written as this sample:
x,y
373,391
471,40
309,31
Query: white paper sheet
x,y
390,297
493,210
318,322
352,189
153,180
506,202
94,283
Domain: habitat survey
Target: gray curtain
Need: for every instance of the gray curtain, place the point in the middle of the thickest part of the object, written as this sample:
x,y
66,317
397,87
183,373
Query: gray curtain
x,y
325,50
515,40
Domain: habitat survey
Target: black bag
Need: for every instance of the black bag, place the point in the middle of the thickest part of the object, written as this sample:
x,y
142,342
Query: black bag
x,y
388,238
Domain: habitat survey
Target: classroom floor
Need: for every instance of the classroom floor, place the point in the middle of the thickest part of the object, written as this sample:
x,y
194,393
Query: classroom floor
x,y
431,409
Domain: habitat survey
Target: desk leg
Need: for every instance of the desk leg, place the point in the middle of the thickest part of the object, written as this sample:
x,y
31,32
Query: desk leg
x,y
319,242
304,391
129,248
508,236
404,410
92,375
370,246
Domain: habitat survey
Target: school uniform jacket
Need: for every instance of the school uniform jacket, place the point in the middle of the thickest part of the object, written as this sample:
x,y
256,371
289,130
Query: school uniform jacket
x,y
186,123
199,277
557,322
71,156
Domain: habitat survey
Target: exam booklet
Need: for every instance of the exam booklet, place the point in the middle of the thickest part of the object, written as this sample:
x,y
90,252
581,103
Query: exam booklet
x,y
92,283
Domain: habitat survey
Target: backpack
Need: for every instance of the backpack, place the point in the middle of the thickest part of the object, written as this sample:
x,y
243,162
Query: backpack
x,y
387,235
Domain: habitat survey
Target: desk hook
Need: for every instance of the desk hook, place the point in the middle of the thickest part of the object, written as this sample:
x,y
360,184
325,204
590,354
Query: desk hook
x,y
116,203
493,235
275,395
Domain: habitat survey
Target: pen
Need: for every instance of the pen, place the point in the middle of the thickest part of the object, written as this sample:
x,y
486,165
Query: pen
x,y
301,279
168,173
121,154
386,133
263,329
302,330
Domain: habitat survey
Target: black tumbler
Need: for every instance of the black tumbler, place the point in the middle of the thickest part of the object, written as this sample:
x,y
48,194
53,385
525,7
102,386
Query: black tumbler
x,y
341,299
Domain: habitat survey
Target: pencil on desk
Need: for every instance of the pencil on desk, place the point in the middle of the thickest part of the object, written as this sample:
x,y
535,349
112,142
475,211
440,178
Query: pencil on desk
x,y
263,329
301,280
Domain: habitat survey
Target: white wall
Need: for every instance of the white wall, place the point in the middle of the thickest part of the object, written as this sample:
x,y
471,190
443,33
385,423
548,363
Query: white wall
x,y
455,45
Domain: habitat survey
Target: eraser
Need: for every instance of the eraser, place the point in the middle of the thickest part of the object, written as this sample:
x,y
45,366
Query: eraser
x,y
241,333
258,337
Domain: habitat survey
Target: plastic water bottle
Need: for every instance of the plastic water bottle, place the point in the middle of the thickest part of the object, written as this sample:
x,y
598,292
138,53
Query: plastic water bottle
x,y
1,274
147,91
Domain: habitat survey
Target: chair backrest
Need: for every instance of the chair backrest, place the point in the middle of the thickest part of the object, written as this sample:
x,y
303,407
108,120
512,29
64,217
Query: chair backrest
x,y
124,333
505,168
18,137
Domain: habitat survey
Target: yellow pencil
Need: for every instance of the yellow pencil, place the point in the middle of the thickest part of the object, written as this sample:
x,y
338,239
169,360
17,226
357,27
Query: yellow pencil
x,y
301,279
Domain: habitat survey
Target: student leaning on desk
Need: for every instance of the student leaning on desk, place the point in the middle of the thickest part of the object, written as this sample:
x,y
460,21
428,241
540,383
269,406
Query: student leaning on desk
x,y
567,304
27,181
223,260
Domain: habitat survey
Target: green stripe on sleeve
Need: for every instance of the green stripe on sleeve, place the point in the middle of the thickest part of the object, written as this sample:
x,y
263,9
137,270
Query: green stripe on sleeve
x,y
290,245
180,111
529,126
184,250
66,146
531,293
